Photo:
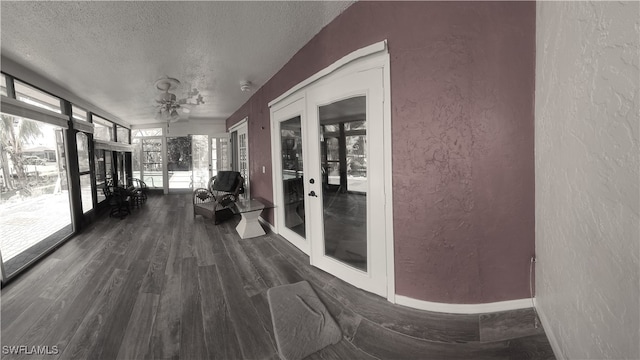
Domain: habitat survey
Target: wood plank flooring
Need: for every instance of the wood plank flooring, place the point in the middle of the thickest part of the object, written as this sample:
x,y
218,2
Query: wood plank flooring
x,y
161,284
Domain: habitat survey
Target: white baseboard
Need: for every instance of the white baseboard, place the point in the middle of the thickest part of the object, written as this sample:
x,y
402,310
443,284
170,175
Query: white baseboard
x,y
267,224
555,346
463,308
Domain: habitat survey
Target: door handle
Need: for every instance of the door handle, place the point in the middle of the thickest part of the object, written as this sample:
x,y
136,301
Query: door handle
x,y
313,193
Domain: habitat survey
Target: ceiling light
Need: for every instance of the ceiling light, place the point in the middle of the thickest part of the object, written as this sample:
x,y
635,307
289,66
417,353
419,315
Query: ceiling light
x,y
246,86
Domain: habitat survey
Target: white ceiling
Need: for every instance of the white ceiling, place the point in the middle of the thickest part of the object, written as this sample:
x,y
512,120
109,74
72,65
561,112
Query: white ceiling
x,y
111,53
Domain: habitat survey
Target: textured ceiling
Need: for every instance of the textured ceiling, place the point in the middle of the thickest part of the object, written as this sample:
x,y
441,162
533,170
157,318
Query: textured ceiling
x,y
111,53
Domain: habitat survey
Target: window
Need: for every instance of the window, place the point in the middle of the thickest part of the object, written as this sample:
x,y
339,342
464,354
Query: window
x,y
122,134
33,96
103,129
78,113
34,207
3,85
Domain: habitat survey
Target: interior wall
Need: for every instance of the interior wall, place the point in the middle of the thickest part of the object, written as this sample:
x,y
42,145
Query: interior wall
x,y
587,178
462,86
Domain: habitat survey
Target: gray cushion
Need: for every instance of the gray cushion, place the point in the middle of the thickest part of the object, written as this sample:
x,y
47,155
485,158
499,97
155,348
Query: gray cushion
x,y
302,325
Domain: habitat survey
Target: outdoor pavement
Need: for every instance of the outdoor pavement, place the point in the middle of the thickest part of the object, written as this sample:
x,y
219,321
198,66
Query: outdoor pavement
x,y
27,221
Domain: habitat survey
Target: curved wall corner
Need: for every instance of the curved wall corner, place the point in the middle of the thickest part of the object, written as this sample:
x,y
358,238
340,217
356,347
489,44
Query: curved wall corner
x,y
462,98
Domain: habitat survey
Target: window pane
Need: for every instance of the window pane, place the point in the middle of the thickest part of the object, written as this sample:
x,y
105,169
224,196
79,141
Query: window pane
x,y
122,134
333,149
79,113
355,125
331,128
103,129
356,158
85,191
3,85
83,152
147,132
34,201
33,96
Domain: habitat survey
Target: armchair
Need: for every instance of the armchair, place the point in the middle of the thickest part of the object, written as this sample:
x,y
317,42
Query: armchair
x,y
216,202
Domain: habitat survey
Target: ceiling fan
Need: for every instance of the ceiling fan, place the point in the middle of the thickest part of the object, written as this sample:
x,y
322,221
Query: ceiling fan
x,y
169,107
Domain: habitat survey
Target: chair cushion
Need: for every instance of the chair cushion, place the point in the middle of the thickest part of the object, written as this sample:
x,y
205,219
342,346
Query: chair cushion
x,y
226,181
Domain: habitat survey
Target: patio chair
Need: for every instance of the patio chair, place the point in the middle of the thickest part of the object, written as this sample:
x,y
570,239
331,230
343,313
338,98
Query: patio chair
x,y
119,199
138,190
217,201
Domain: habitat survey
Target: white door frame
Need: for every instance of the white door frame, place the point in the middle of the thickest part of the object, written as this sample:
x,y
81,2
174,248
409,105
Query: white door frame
x,y
372,56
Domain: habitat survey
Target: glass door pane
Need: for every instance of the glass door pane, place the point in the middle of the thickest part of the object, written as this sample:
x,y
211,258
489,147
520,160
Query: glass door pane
x,y
243,160
292,175
179,163
108,165
291,170
200,158
101,174
344,210
122,177
84,167
222,148
34,203
152,162
136,158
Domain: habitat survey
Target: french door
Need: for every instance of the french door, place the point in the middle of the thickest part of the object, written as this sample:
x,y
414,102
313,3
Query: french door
x,y
346,201
330,179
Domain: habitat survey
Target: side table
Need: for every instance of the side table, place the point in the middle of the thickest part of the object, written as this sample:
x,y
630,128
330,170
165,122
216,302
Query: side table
x,y
250,210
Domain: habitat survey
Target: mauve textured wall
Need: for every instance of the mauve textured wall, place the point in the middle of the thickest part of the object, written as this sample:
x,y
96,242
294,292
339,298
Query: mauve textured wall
x,y
462,97
587,178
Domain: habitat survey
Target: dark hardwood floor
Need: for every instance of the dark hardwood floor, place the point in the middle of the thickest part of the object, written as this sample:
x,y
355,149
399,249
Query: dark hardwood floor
x,y
161,284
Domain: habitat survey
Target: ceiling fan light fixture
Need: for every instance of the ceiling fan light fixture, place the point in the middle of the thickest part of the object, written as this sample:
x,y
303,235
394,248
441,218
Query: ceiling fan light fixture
x,y
168,104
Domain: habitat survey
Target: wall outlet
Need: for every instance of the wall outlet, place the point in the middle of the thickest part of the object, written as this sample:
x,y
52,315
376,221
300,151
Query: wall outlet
x,y
264,169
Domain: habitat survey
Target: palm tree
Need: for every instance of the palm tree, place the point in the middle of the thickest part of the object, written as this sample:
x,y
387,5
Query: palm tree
x,y
14,132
